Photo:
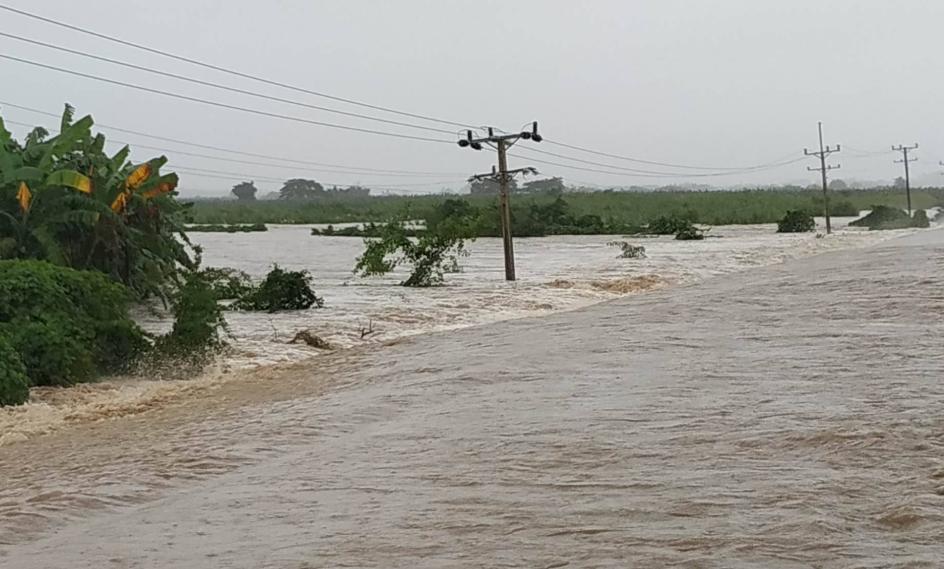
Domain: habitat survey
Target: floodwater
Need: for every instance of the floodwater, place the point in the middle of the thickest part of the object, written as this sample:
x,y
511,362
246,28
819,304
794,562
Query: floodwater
x,y
783,416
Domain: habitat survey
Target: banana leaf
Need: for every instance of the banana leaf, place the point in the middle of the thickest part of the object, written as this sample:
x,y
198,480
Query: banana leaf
x,y
70,179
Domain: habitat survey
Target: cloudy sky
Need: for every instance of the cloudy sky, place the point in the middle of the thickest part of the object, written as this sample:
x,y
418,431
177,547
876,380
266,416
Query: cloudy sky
x,y
714,86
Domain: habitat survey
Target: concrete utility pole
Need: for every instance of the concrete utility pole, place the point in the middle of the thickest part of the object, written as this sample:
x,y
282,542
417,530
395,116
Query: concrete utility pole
x,y
905,160
502,142
823,168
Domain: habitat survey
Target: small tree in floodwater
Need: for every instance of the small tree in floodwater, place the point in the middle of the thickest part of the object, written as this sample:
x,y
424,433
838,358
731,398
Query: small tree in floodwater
x,y
431,255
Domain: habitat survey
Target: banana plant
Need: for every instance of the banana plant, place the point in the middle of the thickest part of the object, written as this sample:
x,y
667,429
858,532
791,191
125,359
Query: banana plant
x,y
63,199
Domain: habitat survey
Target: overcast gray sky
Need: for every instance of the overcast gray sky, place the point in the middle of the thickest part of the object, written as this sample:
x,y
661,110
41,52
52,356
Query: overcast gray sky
x,y
728,83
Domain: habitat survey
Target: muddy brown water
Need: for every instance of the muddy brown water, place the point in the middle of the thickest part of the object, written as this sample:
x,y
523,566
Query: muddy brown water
x,y
785,417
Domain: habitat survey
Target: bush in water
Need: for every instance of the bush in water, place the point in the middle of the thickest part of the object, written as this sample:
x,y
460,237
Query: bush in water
x,y
920,219
796,221
198,317
671,225
883,217
67,326
281,290
14,385
433,254
690,233
629,251
227,283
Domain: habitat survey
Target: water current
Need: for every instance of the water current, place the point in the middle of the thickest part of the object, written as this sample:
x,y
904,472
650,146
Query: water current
x,y
739,402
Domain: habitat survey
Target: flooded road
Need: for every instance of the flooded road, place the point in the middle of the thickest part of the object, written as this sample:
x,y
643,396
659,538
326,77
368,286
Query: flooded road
x,y
782,417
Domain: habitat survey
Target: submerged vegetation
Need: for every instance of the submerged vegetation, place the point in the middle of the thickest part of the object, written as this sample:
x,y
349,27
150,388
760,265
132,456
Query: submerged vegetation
x,y
280,290
796,221
884,217
221,228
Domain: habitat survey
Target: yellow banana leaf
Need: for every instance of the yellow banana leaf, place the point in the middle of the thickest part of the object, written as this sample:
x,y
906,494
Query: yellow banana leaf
x,y
24,196
120,203
70,179
160,189
140,174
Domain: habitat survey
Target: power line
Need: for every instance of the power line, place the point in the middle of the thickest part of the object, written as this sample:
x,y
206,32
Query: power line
x,y
667,174
222,105
224,149
641,161
225,175
227,70
660,175
220,86
249,162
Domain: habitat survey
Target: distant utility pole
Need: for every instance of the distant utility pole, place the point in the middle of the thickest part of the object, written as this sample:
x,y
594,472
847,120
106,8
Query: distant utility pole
x,y
905,160
502,142
823,168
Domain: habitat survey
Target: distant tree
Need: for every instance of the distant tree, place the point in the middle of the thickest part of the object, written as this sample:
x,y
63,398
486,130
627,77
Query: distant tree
x,y
301,189
489,186
245,191
838,184
899,183
547,185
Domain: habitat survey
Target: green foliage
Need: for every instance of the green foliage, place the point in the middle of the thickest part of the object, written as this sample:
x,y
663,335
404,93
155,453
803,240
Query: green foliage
x,y
431,255
690,233
245,191
796,221
920,219
300,189
198,324
67,326
227,283
86,210
671,224
843,208
14,385
281,290
883,218
619,210
216,228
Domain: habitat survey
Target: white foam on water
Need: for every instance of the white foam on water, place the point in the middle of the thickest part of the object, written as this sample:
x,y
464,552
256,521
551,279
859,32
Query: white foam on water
x,y
554,274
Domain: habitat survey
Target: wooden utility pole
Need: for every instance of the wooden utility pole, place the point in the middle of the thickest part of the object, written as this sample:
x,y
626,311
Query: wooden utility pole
x,y
823,168
905,160
503,175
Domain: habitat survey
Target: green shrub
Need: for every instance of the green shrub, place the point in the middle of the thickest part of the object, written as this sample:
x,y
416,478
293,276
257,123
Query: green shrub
x,y
884,217
920,219
281,290
14,385
796,221
227,283
67,326
690,233
433,254
198,325
671,224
